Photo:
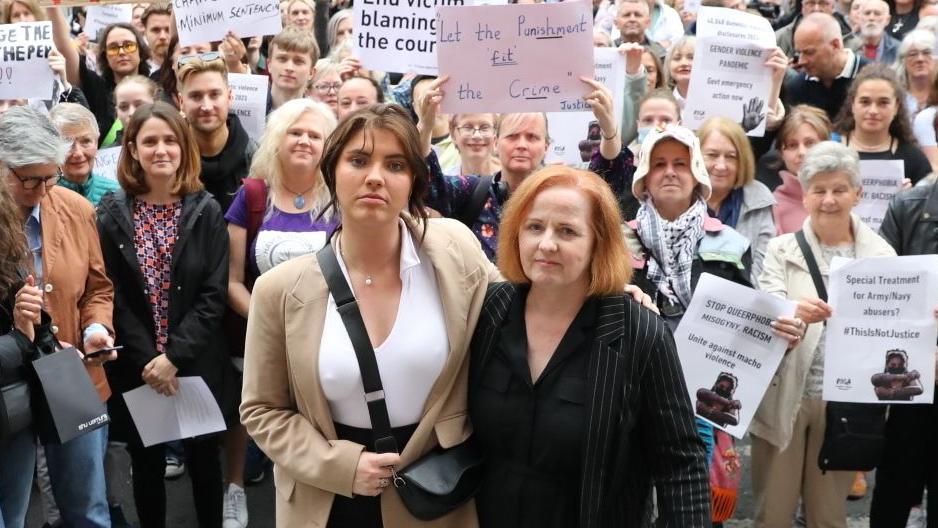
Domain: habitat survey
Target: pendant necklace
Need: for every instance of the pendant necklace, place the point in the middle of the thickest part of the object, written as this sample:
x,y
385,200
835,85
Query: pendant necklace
x,y
299,201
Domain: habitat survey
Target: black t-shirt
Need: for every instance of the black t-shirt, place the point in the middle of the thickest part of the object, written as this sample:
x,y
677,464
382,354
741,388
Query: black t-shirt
x,y
915,163
100,95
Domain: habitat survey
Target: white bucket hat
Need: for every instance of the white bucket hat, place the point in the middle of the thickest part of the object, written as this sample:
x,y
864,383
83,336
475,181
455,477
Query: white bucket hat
x,y
682,135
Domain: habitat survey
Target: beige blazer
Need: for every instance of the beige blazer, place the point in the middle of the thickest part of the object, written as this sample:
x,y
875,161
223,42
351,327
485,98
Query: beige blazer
x,y
785,273
283,404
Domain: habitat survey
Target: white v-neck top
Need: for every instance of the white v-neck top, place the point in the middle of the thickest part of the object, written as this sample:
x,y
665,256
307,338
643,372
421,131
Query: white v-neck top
x,y
409,360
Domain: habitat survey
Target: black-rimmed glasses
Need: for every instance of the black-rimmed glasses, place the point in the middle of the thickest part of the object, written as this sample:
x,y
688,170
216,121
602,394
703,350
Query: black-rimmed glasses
x,y
33,182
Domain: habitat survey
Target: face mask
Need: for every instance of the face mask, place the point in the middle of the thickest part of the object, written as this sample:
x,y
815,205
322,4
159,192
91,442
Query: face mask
x,y
643,133
895,370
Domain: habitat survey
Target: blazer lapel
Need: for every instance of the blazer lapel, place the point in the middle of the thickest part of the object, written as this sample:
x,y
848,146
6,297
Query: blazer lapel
x,y
453,284
304,322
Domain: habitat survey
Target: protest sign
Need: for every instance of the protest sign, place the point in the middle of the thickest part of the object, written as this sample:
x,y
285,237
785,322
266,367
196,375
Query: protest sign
x,y
98,17
24,61
398,35
249,102
515,58
880,345
105,162
881,181
204,20
574,135
53,3
728,351
729,77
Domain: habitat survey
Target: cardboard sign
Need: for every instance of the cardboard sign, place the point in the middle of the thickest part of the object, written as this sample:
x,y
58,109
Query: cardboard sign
x,y
204,21
105,162
24,61
516,58
53,3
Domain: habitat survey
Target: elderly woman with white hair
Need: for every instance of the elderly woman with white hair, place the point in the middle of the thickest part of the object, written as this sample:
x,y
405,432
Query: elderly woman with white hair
x,y
915,67
788,428
67,263
78,126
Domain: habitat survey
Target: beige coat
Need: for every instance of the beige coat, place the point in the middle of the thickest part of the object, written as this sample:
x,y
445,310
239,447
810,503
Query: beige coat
x,y
283,404
786,274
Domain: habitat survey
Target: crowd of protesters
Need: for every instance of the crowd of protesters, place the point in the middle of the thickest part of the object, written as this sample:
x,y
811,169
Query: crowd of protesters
x,y
527,305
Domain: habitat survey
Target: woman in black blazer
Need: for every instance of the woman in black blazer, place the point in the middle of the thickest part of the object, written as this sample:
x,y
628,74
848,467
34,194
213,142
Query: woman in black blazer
x,y
576,392
165,246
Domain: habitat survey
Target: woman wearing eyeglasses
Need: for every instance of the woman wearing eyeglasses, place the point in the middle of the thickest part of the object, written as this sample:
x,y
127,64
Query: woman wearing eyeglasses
x,y
121,52
474,137
67,263
326,84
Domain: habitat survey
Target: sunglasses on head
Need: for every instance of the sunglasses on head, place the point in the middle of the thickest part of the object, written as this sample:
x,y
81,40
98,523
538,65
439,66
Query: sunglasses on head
x,y
208,56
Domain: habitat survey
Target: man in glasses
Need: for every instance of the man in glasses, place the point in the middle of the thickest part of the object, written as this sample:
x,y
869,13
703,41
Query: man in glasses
x,y
122,52
786,35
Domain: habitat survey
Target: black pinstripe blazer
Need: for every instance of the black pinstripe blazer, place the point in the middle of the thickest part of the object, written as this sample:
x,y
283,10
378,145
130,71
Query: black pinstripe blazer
x,y
641,429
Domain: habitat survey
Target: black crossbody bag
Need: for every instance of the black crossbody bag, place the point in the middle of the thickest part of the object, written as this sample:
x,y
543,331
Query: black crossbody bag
x,y
441,480
854,433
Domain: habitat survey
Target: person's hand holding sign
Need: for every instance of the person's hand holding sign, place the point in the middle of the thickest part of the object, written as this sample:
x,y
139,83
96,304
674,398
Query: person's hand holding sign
x,y
427,108
600,100
233,50
777,61
57,65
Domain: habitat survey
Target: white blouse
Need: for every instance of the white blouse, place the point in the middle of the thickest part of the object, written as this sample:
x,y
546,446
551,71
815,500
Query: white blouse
x,y
409,360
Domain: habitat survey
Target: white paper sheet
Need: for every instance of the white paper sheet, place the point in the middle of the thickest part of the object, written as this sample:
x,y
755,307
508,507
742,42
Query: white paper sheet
x,y
725,339
883,308
193,411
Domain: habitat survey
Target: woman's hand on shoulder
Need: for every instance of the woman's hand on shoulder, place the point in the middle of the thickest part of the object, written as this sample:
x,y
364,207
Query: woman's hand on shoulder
x,y
374,473
641,297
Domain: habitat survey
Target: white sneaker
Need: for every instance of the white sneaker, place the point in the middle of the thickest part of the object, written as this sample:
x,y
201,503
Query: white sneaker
x,y
235,508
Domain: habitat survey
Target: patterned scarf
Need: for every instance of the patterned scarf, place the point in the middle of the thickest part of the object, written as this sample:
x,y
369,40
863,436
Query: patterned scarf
x,y
673,246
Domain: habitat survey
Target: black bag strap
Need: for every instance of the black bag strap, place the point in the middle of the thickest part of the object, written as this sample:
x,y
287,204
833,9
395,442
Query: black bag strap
x,y
812,265
347,306
470,212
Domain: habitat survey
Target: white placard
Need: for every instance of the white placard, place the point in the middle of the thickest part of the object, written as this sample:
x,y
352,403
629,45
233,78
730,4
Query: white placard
x,y
729,76
569,130
204,21
24,61
249,102
728,351
98,17
882,179
883,319
105,162
192,411
398,35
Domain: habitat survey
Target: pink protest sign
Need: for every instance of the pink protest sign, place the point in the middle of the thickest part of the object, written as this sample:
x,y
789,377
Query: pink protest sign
x,y
515,58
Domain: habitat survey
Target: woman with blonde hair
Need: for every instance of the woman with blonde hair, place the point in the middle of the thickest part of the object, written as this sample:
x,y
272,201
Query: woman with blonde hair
x,y
549,346
736,199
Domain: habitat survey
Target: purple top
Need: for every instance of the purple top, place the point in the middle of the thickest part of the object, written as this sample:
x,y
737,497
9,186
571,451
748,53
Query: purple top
x,y
282,236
